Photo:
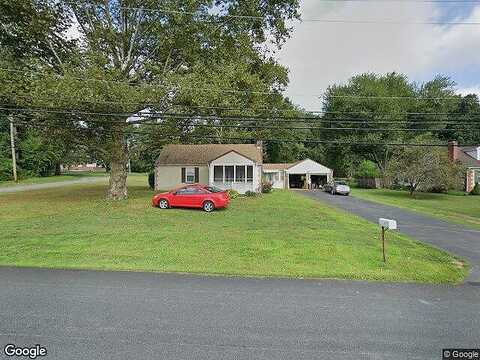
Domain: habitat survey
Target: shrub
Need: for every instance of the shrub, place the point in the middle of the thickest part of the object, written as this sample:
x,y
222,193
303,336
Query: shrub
x,y
367,169
476,189
266,187
233,193
250,193
151,179
438,189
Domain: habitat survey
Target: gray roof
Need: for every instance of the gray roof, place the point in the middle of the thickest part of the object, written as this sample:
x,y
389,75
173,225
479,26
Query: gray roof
x,y
176,154
466,159
280,166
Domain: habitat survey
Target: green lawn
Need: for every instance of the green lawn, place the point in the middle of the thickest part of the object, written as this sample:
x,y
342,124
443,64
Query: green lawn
x,y
279,234
49,179
458,208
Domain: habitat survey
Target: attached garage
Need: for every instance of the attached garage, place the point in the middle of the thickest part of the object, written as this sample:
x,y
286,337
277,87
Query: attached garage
x,y
308,174
304,174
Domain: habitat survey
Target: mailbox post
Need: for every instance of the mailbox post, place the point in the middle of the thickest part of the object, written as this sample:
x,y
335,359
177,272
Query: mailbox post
x,y
386,224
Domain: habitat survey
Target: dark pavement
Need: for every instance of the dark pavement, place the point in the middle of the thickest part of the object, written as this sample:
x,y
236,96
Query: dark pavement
x,y
457,239
105,315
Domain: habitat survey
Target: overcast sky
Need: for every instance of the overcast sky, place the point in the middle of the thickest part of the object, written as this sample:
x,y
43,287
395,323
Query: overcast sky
x,y
320,54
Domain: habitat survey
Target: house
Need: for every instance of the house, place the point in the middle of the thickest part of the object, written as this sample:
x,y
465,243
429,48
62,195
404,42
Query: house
x,y
92,167
233,166
468,157
227,166
304,174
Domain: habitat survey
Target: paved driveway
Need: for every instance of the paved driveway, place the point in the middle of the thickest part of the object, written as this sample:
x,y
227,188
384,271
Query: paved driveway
x,y
103,315
51,185
457,239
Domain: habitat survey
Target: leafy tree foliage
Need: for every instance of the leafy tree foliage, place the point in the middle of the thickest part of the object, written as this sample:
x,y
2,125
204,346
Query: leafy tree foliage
x,y
367,168
391,103
424,170
146,59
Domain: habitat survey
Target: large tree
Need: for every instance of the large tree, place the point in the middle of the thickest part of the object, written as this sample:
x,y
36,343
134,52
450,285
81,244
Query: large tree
x,y
384,109
154,54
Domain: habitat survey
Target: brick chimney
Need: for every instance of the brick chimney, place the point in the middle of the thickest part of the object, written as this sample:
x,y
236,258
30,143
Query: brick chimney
x,y
453,150
259,144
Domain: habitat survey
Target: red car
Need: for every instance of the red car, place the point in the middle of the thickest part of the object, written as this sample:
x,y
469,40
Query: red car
x,y
205,197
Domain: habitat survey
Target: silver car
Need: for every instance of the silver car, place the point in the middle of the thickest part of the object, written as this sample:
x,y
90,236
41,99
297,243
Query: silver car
x,y
337,187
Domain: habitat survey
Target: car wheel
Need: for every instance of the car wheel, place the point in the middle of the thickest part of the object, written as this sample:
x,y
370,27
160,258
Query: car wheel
x,y
208,206
163,204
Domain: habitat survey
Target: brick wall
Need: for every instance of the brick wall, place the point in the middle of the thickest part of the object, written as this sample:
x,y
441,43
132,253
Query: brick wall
x,y
470,180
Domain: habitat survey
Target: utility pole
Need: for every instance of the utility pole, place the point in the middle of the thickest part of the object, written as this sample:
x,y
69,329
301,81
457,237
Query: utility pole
x,y
12,146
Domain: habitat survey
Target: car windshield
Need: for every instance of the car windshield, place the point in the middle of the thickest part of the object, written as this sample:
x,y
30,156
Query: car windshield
x,y
214,189
340,183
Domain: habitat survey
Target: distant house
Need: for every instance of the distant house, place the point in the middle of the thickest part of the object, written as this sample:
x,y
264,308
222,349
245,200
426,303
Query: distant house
x,y
468,157
233,166
92,167
304,174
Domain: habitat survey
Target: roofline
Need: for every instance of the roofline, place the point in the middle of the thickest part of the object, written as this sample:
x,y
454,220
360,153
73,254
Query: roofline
x,y
300,161
184,164
232,150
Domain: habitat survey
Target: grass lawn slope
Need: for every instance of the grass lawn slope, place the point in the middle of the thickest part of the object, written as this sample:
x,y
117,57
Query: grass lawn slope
x,y
279,234
457,208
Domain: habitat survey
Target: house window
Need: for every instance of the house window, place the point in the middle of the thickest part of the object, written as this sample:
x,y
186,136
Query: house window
x,y
249,173
229,173
240,173
190,175
218,173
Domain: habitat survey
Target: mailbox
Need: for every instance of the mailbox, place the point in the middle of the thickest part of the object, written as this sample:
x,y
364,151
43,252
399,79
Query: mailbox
x,y
387,223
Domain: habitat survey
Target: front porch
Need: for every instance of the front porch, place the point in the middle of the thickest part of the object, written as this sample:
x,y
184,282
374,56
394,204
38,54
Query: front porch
x,y
236,172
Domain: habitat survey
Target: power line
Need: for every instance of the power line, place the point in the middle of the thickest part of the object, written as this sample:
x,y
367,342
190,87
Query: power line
x,y
315,141
337,21
272,127
224,108
168,115
274,110
244,118
457,97
410,1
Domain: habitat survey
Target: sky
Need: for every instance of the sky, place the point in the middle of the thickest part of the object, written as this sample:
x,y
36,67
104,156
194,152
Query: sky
x,y
321,54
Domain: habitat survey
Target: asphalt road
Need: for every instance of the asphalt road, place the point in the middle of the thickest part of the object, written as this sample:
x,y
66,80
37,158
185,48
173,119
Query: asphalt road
x,y
51,185
105,315
457,239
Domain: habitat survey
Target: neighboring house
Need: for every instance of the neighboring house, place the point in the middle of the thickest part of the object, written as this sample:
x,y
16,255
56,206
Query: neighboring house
x,y
83,167
227,166
468,157
304,174
233,166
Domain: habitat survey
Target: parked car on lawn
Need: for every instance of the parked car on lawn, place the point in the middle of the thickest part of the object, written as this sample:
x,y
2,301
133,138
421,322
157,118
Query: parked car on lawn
x,y
337,187
204,197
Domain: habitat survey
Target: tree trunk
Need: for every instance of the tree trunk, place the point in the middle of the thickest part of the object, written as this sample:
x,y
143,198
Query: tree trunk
x,y
58,169
118,166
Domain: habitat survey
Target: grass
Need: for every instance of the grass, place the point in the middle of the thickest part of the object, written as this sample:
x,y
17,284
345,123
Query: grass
x,y
281,234
49,179
453,207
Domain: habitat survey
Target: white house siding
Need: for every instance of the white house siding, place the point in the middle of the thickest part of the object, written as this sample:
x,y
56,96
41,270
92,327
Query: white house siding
x,y
234,159
169,177
276,177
